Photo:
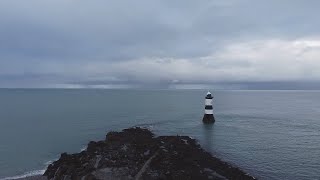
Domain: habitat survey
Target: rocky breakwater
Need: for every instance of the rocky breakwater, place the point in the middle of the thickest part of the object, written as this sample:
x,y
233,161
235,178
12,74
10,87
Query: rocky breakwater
x,y
136,153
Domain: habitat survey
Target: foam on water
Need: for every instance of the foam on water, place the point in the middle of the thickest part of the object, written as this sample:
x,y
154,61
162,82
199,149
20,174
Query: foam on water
x,y
27,174
83,148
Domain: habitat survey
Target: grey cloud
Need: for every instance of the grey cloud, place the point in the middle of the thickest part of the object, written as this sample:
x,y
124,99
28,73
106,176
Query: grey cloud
x,y
59,41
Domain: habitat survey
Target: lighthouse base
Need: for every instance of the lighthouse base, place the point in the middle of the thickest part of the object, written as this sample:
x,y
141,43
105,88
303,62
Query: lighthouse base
x,y
208,119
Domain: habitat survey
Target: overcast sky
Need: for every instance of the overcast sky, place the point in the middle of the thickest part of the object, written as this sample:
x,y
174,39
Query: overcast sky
x,y
167,43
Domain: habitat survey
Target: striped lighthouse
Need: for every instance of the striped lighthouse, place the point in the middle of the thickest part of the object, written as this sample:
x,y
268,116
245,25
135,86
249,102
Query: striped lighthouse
x,y
208,110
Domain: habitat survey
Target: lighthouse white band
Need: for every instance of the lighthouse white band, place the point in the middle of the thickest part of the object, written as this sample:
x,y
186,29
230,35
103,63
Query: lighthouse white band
x,y
208,102
208,111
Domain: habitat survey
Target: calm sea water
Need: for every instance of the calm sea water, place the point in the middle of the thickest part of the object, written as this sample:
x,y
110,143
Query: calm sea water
x,y
270,134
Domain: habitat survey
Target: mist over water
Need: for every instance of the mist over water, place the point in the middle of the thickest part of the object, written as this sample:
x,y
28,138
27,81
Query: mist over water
x,y
269,134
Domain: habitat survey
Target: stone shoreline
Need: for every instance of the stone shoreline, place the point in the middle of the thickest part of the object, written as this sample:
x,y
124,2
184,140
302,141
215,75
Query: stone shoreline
x,y
136,153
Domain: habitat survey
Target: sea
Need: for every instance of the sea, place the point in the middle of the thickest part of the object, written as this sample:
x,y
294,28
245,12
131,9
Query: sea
x,y
269,134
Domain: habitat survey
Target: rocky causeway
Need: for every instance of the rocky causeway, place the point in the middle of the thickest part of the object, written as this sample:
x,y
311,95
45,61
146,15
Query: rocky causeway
x,y
136,153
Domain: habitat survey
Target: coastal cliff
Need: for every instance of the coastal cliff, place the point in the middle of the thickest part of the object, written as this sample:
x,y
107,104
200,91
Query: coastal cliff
x,y
136,153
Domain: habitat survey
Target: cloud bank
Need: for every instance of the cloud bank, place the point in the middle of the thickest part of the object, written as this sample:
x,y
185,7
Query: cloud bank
x,y
167,44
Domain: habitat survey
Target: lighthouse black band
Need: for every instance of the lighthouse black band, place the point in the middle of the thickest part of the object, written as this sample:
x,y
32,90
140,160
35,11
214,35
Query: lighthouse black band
x,y
208,107
209,96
